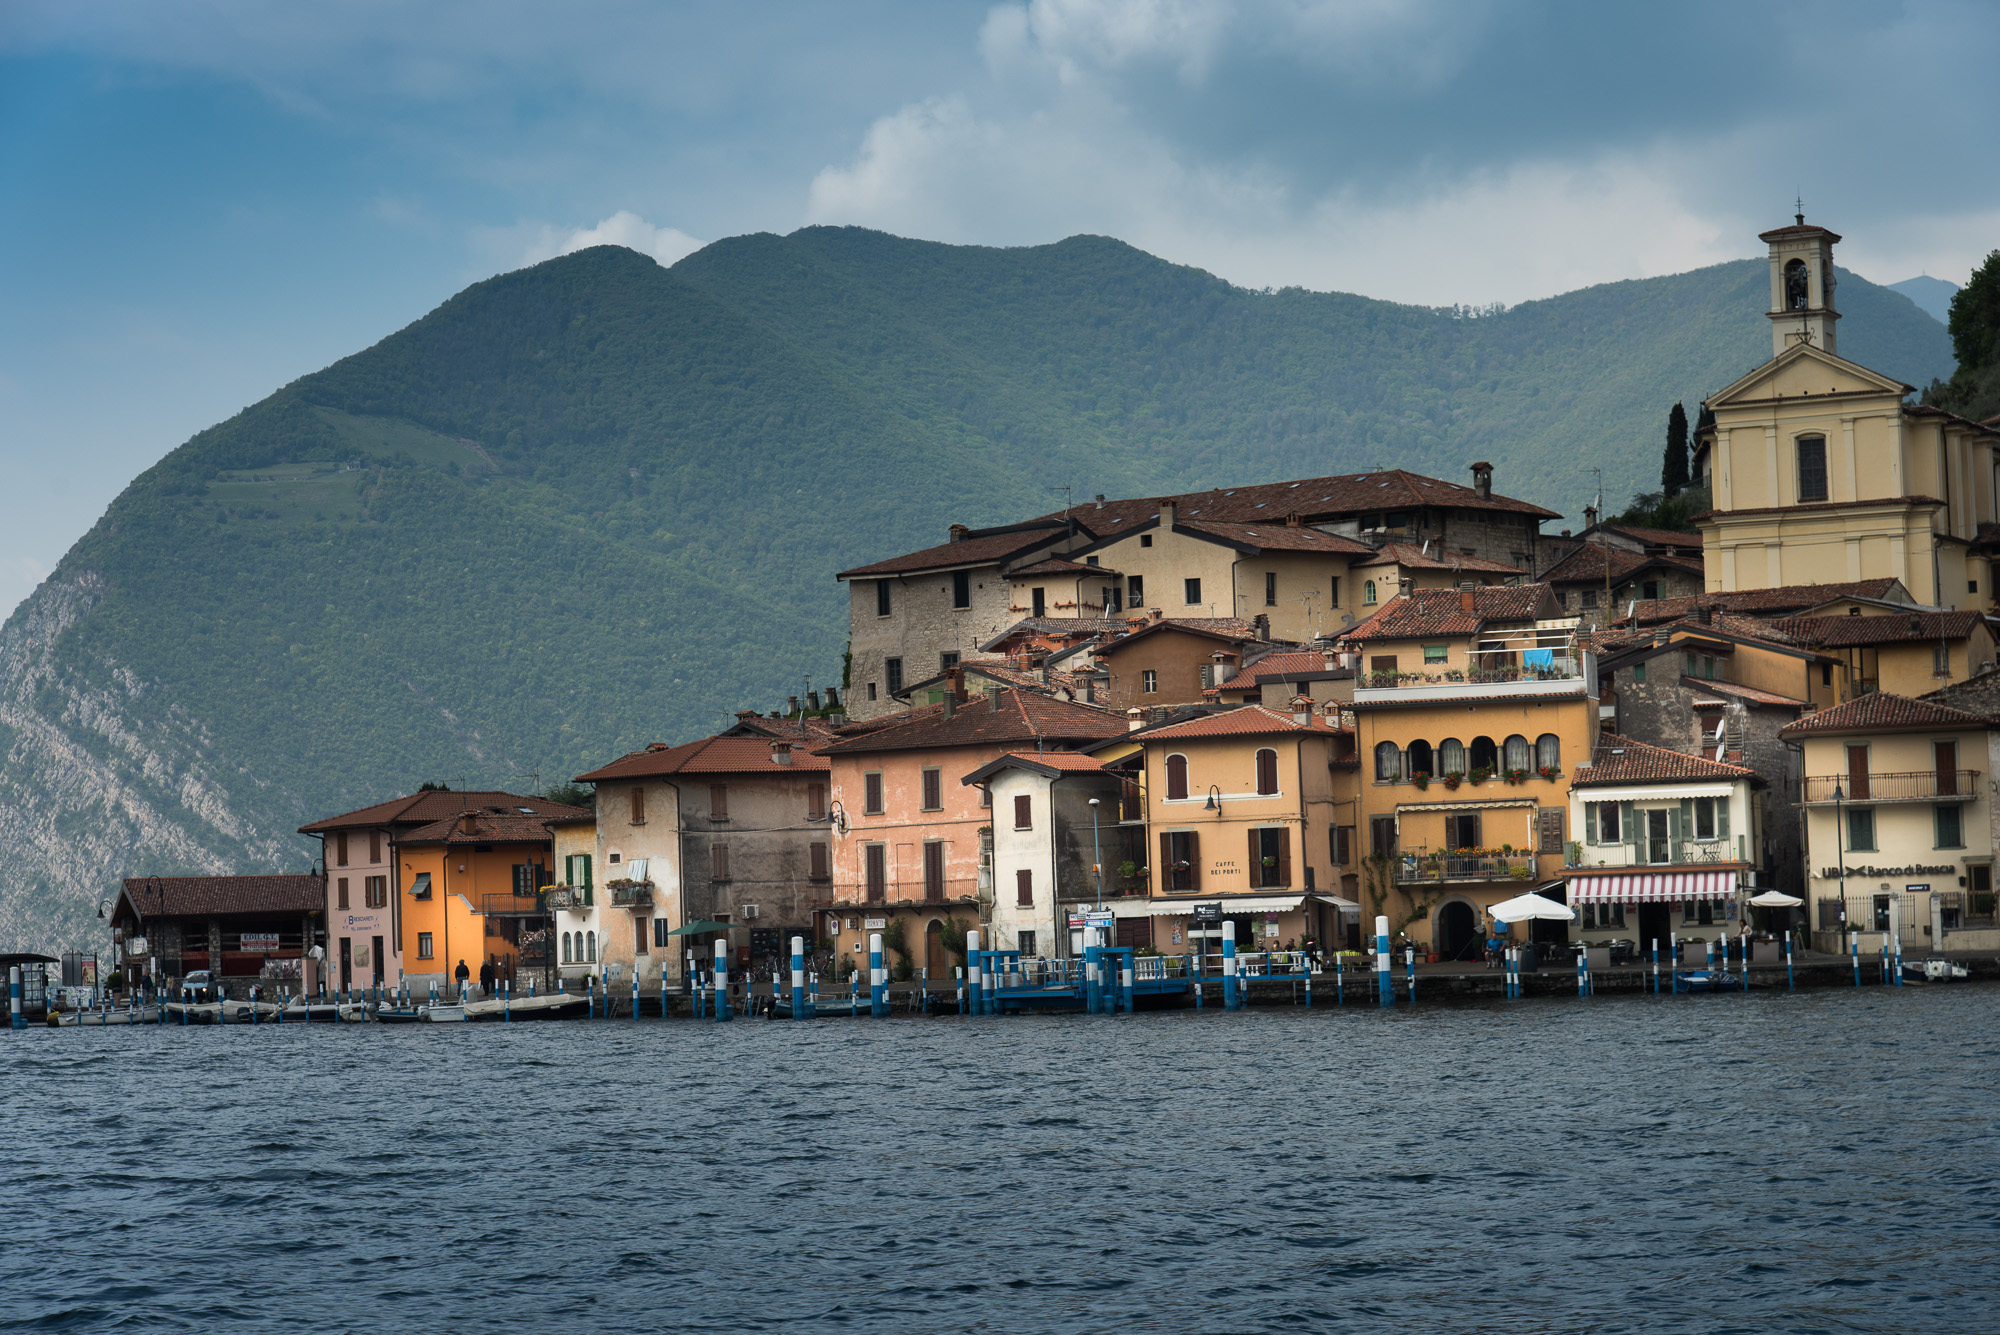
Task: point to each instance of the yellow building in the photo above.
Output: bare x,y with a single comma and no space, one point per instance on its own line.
1471,708
1899,650
1899,824
470,881
1818,470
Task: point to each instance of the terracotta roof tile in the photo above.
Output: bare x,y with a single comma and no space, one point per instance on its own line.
974,549
1617,760
1045,762
1586,565
1411,555
195,896
1277,536
1061,566
1891,628
1434,612
709,755
1749,694
434,804
1658,537
1244,721
1882,712
487,828
1780,599
1007,716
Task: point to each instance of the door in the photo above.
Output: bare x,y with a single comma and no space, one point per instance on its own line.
1857,774
346,963
1656,923
1457,937
934,872
1946,754
375,957
1548,931
1658,847
936,959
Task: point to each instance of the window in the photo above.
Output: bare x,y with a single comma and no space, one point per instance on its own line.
376,891
1181,854
875,871
1135,594
590,947
1603,915
638,804
576,870
1340,844
424,945
1270,858
1548,752
1797,286
892,672
947,661
1484,755
1462,831
934,871
961,588
1024,813
1638,672
1388,762
1435,655
1368,593
933,790
1149,682
340,848
1191,592
1417,759
1650,590
1382,665
821,864
718,862
1607,822
1517,753
374,845
1270,588
1267,772
871,794
882,604
1950,826
871,690
1826,674
1382,836
565,948
1812,468
718,801
342,886
1861,829
1333,592
1025,943
1451,756
1145,539
815,801
1177,778
640,943
1659,848
662,936
1589,598
1704,818
1037,602
1941,661
1024,889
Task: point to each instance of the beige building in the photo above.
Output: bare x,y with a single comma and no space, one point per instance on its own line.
1818,469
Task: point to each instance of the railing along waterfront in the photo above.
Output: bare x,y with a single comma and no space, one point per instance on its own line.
1907,786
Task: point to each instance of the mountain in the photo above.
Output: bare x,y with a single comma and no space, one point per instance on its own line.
597,503
1932,295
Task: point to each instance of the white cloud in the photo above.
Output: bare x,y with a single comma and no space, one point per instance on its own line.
623,228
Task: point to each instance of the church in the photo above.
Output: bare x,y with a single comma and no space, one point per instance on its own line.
1820,472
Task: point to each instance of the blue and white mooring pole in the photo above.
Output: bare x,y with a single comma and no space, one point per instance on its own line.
1656,966
1410,971
973,998
1385,983
878,981
722,980
1791,983
798,978
1854,948
1232,991
15,1018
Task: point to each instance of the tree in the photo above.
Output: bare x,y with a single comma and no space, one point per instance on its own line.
1975,317
1674,470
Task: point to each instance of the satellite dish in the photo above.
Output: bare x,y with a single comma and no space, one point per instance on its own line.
1720,724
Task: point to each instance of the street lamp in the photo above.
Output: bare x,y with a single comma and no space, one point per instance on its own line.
1839,854
1214,802
1097,850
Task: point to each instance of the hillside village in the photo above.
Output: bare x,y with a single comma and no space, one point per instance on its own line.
1306,702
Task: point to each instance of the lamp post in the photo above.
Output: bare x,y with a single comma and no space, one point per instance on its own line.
1097,851
1839,853
1214,802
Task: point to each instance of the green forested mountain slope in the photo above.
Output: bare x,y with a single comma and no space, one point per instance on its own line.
597,503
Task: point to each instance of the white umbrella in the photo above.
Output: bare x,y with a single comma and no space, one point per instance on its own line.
1521,908
1776,899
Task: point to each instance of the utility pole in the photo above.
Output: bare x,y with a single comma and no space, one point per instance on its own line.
1604,544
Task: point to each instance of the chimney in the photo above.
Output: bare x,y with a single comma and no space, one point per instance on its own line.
1099,498
950,704
791,705
1468,600
781,753
958,532
468,824
812,701
1302,710
1155,613
1705,613
1262,621
745,715
1590,516
1482,480
832,699
1135,719
993,694
954,682
1167,516
1565,533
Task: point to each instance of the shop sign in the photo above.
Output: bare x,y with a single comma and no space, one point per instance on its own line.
874,924
260,940
1206,912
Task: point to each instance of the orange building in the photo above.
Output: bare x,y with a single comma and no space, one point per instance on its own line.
472,879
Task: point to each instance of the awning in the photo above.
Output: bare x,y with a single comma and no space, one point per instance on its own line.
1182,908
698,928
1468,804
1653,887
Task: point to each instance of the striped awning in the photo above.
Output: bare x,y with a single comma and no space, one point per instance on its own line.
1670,887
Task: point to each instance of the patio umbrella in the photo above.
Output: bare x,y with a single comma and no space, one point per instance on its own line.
1776,899
696,928
1522,908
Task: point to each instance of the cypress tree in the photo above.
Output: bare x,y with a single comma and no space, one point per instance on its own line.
1674,470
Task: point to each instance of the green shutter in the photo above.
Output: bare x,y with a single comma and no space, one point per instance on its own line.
1628,830
1722,819
586,873
1678,819
1688,827
1590,822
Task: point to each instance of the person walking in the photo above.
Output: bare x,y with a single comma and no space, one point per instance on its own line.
486,979
461,973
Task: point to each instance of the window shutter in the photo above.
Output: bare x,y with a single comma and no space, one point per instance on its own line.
1024,888
1687,819
1284,857
1024,812
1628,830
1163,874
1194,860
1590,830
718,862
586,875
718,801
1256,863
1722,819
1679,819
819,862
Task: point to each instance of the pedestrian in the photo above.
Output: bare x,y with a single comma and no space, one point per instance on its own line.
486,978
461,973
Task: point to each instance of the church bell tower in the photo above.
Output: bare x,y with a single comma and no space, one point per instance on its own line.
1802,286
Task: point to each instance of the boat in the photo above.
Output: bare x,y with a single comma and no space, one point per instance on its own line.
441,1014
547,1006
1935,971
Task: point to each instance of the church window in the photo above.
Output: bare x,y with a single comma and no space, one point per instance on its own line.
1797,289
1812,468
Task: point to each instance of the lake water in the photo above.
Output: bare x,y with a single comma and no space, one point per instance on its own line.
1778,1162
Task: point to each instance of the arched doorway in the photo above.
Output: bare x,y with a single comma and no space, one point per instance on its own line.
1457,932
936,958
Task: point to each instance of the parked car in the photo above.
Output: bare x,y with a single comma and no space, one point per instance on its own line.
201,984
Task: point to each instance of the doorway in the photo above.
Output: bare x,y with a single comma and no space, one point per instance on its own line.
1656,923
375,959
346,963
1457,932
936,959
1551,931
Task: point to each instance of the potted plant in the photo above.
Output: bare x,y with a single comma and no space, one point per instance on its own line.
1548,771
1270,862
1421,779
1451,781
1480,774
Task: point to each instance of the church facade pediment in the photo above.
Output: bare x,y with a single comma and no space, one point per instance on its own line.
1803,371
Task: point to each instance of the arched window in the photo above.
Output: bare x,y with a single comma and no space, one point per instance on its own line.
1368,592
1485,755
565,948
1798,287
1421,761
1516,756
590,947
1388,763
1267,772
1548,751
1176,777
1812,468
1451,756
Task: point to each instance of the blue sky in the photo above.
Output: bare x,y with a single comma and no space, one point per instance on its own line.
200,201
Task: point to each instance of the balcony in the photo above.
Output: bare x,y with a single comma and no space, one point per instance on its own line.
1423,866
630,894
1666,854
564,897
517,906
1496,673
1960,785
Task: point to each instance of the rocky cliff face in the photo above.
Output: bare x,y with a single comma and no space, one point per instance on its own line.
102,777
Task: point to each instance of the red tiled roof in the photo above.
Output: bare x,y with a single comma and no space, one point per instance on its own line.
709,755
1619,761
1061,566
1006,716
1882,712
1749,694
1244,721
973,549
1658,537
1280,667
435,804
1276,536
1215,628
488,828
1586,564
1779,599
1433,612
1048,763
1798,229
1411,555
1890,628
197,896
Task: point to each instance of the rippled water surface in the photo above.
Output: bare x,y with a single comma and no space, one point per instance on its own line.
1810,1162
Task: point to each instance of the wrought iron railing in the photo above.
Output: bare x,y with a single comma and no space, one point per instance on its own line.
631,894
1911,786
1417,866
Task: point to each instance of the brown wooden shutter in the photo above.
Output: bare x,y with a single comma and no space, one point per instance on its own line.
816,801
1163,872
933,871
638,805
871,799
718,862
343,893
1256,863
718,801
1177,777
1024,888
374,845
1267,772
820,871
1947,768
1024,813
876,861
1194,860
1857,773
1284,857
340,849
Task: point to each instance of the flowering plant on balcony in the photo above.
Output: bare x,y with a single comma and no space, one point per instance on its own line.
1548,771
1480,774
1451,781
1516,775
1421,779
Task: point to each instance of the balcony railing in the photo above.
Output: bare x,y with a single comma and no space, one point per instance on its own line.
1951,785
564,897
526,906
1662,854
631,894
1421,865
1488,673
